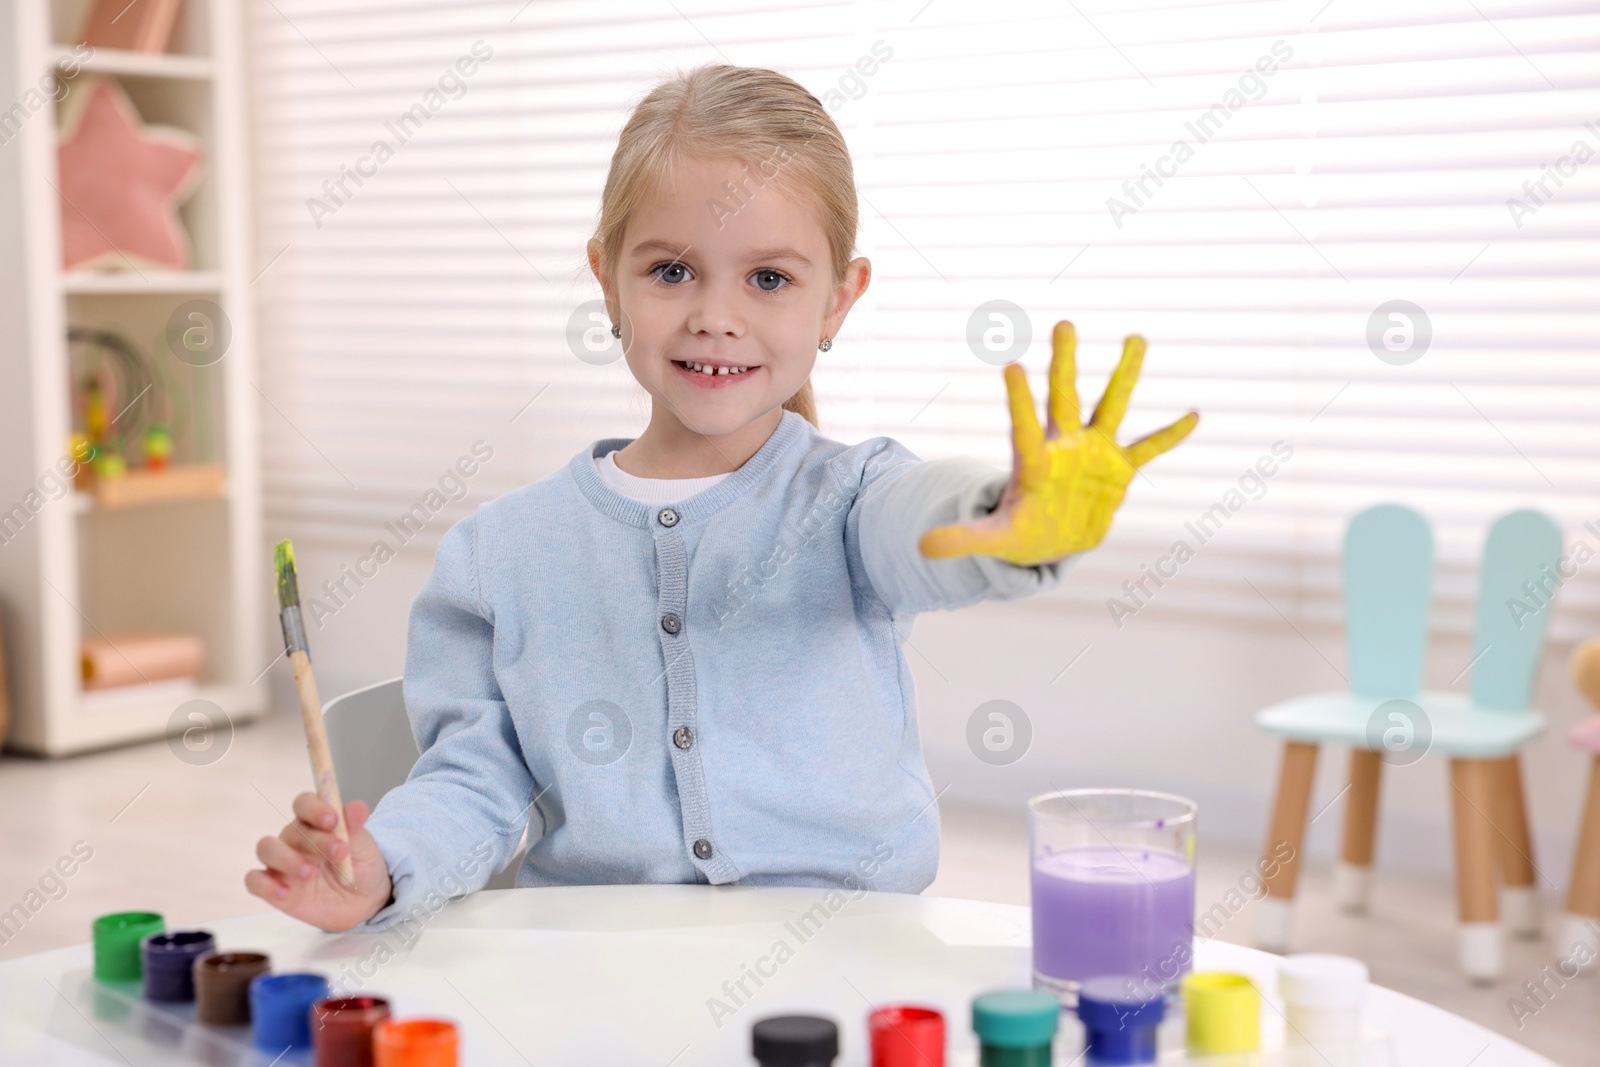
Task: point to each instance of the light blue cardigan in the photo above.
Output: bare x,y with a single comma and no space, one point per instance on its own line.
712,691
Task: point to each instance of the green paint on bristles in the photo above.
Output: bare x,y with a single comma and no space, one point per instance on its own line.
288,586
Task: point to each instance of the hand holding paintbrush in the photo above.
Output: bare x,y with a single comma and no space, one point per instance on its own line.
305,683
324,868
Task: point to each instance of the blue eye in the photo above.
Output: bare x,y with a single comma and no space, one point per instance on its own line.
661,267
775,275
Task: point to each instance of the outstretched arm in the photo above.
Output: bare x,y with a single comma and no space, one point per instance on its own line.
898,499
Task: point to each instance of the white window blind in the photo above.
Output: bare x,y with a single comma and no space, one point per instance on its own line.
1316,162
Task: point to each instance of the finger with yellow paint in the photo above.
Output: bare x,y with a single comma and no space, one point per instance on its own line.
1068,479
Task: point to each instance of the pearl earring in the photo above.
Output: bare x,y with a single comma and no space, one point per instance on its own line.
827,343
616,329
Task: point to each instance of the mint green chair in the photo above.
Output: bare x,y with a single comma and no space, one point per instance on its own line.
1387,717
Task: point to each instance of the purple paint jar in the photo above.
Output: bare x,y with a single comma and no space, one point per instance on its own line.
169,963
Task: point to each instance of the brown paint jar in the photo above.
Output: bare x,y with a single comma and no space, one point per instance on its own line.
222,986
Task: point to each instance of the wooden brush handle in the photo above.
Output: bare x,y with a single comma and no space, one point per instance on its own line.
305,682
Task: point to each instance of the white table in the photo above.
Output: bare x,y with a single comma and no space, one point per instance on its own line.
598,975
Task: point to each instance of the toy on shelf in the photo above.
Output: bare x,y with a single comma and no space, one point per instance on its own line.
130,414
117,395
121,184
157,446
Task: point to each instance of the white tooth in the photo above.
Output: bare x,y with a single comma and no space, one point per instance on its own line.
706,368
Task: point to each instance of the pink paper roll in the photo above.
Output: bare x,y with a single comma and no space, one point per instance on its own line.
135,656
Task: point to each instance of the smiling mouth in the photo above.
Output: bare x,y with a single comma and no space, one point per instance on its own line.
708,370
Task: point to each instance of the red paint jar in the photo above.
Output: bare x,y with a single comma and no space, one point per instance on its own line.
903,1035
341,1030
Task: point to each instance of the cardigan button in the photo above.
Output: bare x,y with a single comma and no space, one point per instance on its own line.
702,849
682,737
671,623
667,517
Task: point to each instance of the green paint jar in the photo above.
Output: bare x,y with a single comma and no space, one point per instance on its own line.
116,940
1015,1027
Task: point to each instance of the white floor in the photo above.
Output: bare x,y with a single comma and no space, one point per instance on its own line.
177,838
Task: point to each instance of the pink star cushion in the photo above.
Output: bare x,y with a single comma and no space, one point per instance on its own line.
121,183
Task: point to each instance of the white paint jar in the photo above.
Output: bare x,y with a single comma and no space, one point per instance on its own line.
1323,996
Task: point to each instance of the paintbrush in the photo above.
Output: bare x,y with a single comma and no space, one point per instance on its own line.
305,682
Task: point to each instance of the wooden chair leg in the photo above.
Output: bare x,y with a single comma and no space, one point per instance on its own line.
1473,789
1583,893
1353,876
1281,868
1519,897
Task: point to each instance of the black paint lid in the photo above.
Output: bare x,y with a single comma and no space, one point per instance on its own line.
794,1041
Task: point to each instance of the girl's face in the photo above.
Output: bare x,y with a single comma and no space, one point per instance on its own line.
720,269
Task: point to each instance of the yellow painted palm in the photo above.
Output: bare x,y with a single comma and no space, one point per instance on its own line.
1066,482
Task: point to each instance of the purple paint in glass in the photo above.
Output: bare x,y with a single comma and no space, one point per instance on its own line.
1099,911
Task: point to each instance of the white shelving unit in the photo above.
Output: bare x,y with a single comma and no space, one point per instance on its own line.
72,567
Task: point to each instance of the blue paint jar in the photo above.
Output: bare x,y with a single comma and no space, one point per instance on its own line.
1120,1016
280,1009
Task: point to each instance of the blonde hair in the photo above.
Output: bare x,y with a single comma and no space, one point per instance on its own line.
748,114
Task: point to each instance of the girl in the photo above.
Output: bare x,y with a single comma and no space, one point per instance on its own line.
678,658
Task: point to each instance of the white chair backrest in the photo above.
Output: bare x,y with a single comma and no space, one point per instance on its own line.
370,735
374,750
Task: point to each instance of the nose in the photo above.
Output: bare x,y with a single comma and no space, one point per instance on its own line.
717,312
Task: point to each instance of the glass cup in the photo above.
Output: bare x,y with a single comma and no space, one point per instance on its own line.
1112,876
